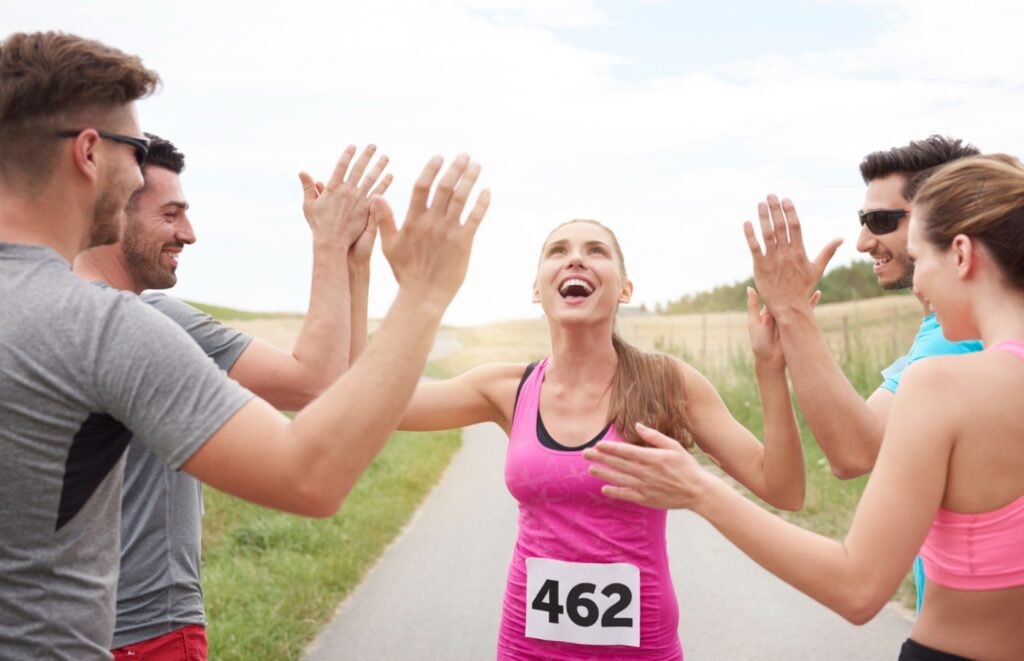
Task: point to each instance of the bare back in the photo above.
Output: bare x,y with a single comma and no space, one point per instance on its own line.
985,473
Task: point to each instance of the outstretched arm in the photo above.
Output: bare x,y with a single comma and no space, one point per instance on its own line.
855,577
483,394
848,429
308,466
337,218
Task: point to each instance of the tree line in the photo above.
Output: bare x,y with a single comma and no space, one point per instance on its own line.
853,281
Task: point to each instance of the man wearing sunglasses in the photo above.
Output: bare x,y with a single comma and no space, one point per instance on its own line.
160,601
83,365
848,428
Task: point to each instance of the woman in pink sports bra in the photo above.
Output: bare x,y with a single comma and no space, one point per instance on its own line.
589,576
949,480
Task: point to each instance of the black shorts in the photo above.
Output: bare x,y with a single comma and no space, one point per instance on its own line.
914,651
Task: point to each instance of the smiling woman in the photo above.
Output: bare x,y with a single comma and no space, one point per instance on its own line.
589,576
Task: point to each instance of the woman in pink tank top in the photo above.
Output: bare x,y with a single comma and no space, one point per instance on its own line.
589,576
949,479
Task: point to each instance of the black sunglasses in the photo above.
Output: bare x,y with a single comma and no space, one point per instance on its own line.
882,221
140,145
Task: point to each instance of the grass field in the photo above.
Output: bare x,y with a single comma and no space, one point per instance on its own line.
272,580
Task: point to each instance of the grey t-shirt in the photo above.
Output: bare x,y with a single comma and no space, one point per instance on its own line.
77,362
161,525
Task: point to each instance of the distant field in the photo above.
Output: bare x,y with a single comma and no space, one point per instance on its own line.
882,326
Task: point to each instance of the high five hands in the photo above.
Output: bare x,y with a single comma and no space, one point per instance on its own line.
338,212
430,253
784,276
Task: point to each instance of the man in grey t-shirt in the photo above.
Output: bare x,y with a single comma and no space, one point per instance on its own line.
159,596
83,365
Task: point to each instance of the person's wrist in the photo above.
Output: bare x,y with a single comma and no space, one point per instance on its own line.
420,305
769,365
358,266
788,312
708,494
331,244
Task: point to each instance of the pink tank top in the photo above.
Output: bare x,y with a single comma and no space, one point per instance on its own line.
589,577
983,551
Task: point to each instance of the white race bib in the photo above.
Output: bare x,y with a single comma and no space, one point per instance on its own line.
583,602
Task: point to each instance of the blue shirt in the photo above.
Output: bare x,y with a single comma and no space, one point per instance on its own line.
929,341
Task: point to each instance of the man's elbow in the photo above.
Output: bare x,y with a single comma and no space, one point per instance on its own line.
319,502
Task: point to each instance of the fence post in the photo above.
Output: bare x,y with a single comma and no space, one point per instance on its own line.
704,339
846,340
895,339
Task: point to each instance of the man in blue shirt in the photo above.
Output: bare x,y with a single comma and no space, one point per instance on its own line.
848,428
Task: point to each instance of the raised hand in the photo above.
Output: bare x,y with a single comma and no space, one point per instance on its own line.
338,212
663,475
764,333
784,276
360,252
430,253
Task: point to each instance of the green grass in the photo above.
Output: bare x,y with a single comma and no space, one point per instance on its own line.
272,580
221,313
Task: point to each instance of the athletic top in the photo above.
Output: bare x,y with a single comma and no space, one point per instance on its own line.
77,362
983,551
161,511
589,575
929,341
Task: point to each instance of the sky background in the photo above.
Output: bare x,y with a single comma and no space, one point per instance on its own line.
666,120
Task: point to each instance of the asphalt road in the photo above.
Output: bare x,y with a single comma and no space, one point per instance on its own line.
436,592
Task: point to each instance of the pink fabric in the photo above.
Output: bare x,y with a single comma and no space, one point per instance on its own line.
1011,346
564,516
983,551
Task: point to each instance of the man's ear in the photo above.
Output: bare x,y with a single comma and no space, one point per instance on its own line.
536,292
84,153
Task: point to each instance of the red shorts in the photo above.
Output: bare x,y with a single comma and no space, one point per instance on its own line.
185,644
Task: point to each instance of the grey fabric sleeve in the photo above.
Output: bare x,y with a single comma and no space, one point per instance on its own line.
159,383
222,343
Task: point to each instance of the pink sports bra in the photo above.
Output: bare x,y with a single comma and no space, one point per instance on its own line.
983,551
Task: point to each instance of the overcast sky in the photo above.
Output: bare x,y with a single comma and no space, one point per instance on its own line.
666,120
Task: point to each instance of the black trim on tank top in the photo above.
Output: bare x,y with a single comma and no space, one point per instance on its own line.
526,374
549,442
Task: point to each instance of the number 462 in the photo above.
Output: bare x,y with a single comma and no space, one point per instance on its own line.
581,610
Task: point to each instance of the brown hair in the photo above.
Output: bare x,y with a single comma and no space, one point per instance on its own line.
647,387
983,198
916,161
49,78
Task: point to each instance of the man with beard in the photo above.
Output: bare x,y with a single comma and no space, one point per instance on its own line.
83,365
160,611
848,428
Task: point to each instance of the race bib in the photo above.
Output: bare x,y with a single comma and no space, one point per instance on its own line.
583,602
